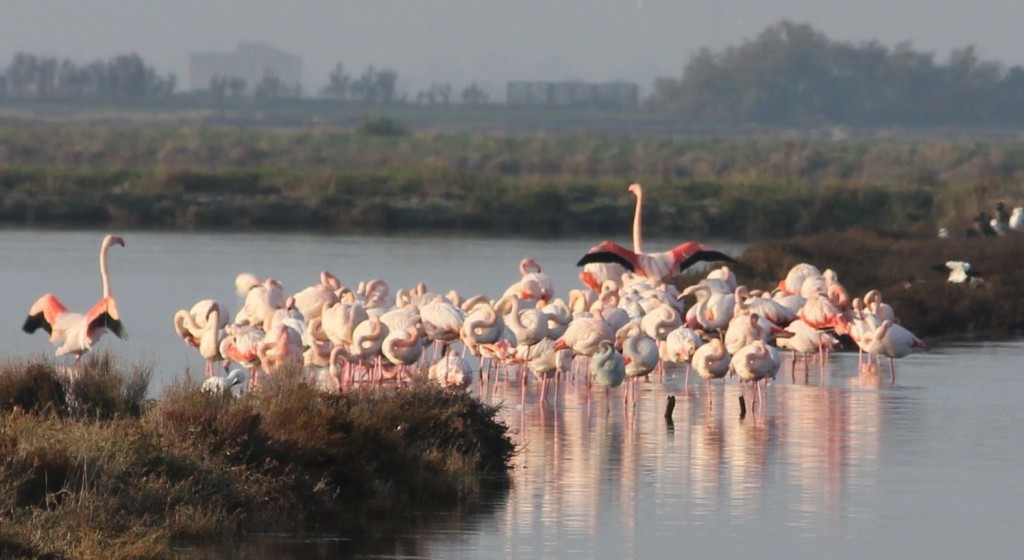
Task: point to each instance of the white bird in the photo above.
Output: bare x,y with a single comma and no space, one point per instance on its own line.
960,272
218,385
451,371
1017,219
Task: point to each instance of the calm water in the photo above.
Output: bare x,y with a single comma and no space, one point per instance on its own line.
834,465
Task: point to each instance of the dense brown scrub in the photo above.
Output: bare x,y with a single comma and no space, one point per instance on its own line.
902,269
87,472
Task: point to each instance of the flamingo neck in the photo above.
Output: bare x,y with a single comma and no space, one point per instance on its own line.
638,241
104,275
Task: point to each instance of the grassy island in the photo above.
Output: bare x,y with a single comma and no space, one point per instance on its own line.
91,469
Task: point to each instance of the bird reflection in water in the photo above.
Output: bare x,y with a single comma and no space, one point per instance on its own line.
608,470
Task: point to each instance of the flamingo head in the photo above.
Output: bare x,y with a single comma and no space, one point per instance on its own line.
636,189
590,281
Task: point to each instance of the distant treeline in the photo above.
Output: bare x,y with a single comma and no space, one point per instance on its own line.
29,76
789,75
156,176
792,74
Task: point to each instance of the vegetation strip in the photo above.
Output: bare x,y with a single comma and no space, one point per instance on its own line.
91,469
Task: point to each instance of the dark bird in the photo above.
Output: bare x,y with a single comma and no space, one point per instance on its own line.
985,225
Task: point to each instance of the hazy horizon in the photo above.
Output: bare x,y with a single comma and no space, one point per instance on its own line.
489,41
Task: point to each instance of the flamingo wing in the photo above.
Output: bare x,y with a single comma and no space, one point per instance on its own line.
609,252
43,314
690,253
104,315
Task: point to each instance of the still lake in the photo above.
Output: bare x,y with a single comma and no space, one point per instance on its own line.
838,464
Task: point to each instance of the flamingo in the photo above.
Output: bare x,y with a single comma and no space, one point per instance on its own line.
339,320
584,336
679,346
547,362
835,291
893,341
607,367
534,284
714,308
873,304
482,326
450,371
190,324
240,345
654,266
75,333
280,345
756,362
311,300
807,340
559,317
820,313
367,340
794,280
210,339
261,300
711,361
754,301
402,348
442,321
638,240
639,353
744,329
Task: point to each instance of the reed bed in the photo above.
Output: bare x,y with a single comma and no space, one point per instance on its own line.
90,469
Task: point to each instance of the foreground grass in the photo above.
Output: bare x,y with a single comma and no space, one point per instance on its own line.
103,474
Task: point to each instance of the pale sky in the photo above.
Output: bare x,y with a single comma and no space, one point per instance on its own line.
489,41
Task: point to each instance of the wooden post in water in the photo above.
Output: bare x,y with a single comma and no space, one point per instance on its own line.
743,407
669,407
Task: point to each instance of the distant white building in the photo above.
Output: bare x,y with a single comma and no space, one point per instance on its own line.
250,62
612,95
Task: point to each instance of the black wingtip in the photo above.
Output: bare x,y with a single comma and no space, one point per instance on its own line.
606,257
35,322
111,324
705,256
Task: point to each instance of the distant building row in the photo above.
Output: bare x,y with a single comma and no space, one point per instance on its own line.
612,95
251,62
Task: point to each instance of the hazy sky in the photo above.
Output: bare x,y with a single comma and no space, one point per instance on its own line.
490,41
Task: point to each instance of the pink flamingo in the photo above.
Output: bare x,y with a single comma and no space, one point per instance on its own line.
75,333
711,361
755,363
893,341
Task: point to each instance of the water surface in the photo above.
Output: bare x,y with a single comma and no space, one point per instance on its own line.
837,465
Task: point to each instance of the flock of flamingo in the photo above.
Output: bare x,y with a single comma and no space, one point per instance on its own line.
623,323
